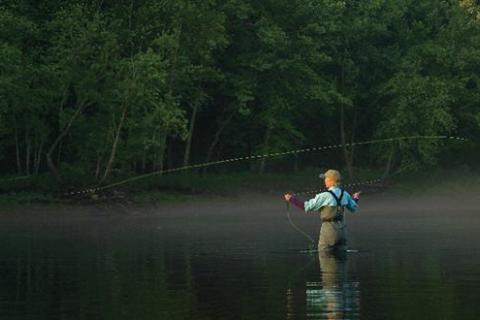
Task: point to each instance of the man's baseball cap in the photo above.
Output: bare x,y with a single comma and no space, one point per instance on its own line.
332,174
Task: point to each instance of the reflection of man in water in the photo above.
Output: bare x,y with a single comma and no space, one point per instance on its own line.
329,295
334,297
331,205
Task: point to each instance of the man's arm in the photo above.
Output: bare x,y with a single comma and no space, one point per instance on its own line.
316,203
352,204
309,205
297,203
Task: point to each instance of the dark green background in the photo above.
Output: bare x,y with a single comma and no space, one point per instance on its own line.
96,91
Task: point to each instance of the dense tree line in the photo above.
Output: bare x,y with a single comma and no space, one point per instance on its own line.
101,88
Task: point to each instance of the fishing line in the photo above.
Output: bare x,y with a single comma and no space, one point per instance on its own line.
257,157
306,235
346,186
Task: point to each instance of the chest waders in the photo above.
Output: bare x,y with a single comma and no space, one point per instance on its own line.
332,230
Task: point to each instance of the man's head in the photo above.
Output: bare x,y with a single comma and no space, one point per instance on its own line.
332,178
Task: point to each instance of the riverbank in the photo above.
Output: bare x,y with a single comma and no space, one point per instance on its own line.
199,188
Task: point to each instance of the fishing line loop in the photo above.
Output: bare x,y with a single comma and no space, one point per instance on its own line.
269,155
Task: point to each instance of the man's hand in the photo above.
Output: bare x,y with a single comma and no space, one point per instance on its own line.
287,196
356,195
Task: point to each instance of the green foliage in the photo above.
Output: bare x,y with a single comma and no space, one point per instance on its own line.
115,89
421,107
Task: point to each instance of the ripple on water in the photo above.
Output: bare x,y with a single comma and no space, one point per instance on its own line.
340,301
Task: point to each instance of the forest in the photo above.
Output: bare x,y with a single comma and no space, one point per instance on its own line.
96,91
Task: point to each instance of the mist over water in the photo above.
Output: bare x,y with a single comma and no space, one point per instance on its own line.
418,259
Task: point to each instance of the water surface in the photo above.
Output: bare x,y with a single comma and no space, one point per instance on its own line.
239,259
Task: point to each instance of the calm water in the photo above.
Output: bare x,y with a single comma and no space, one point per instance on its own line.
243,261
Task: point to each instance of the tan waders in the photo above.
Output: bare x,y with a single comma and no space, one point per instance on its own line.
332,231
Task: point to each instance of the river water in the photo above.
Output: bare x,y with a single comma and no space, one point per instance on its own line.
411,258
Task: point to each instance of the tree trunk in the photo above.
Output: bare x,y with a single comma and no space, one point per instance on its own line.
388,166
63,133
263,162
28,146
252,165
343,134
352,138
17,151
216,139
98,167
39,157
27,158
188,146
115,144
144,161
161,153
35,153
346,153
59,152
155,151
170,153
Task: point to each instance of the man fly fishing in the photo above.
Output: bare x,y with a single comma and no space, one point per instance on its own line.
331,205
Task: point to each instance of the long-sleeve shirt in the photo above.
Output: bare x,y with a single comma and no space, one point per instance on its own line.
326,199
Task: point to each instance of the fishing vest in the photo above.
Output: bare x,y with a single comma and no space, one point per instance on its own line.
333,213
